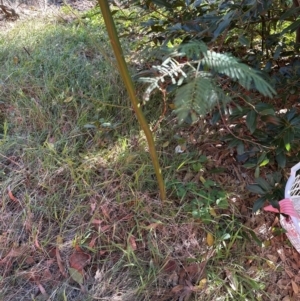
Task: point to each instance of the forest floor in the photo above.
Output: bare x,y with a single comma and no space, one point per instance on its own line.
80,215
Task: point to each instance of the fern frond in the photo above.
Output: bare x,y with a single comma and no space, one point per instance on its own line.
198,96
193,50
169,69
230,66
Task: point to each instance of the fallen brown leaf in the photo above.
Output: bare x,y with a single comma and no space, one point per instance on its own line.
93,204
196,271
36,242
46,275
186,293
78,248
104,228
295,287
29,275
170,266
177,289
52,252
132,242
289,273
30,260
97,221
105,211
11,196
15,252
153,226
273,258
93,241
126,218
78,260
41,288
49,262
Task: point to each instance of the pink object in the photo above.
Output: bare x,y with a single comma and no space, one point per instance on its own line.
290,206
286,207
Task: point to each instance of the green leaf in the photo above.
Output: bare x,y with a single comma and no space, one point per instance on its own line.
193,50
264,162
234,142
224,23
251,121
258,204
76,276
275,204
256,173
249,165
262,136
230,66
290,114
240,148
274,178
281,159
244,41
209,183
288,146
295,121
289,13
271,119
264,109
294,26
255,188
225,236
89,126
222,203
199,96
288,139
202,159
217,170
278,50
163,3
263,184
261,157
215,117
244,235
255,238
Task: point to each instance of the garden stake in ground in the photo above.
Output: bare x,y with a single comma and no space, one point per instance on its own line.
112,32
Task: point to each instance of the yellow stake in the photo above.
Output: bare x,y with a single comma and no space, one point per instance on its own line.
114,40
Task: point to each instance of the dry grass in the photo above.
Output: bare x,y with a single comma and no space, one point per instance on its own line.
78,189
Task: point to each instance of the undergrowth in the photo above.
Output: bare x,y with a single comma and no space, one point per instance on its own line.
80,217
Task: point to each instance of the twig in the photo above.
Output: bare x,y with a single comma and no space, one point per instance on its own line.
163,112
234,135
27,51
11,160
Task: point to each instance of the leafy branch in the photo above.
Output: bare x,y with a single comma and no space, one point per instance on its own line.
192,72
